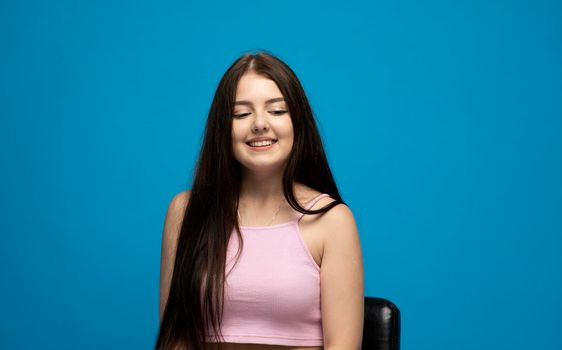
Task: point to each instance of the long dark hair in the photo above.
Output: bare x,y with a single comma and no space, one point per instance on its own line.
195,300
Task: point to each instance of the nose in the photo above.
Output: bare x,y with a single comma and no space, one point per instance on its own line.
260,123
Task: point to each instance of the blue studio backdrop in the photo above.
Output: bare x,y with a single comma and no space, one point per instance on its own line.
442,122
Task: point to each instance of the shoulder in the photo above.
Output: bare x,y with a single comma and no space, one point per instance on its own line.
340,216
181,198
304,194
340,212
337,232
337,217
179,202
174,214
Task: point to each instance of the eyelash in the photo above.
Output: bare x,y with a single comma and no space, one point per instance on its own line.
276,112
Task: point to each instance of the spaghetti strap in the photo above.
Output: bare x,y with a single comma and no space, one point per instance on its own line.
311,203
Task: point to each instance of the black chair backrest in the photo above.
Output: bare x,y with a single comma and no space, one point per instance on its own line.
381,330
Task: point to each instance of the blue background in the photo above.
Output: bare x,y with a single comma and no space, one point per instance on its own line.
442,122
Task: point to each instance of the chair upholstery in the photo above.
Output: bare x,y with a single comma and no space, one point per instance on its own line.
381,329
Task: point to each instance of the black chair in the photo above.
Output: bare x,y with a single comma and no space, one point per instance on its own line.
381,329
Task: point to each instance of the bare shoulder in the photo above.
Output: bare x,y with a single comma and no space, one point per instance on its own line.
337,217
334,230
340,216
174,215
304,193
180,199
339,213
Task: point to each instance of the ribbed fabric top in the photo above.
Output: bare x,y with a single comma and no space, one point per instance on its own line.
272,295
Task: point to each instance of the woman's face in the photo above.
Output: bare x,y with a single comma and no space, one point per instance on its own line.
262,129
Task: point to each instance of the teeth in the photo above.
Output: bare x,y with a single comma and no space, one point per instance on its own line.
261,143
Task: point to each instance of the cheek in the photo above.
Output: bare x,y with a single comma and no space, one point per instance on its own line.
235,143
289,136
236,132
289,131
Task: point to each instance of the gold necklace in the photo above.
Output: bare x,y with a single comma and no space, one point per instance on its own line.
274,215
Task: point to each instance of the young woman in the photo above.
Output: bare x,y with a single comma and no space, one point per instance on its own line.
262,252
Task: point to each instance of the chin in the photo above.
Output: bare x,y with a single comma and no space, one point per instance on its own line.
262,166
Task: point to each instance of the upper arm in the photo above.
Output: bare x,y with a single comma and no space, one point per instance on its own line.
170,234
342,281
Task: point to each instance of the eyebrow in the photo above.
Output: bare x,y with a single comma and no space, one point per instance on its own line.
248,103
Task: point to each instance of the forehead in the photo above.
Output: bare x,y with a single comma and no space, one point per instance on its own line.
256,88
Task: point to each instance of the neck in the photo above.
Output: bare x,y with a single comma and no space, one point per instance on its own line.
261,188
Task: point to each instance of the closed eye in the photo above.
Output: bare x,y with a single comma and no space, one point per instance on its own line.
277,112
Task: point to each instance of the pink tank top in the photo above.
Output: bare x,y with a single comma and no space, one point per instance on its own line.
272,295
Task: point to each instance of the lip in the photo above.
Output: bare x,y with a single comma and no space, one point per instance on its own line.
262,138
261,148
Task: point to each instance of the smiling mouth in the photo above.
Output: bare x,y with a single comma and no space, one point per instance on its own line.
264,143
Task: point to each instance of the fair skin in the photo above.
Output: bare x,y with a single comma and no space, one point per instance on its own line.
260,112
332,237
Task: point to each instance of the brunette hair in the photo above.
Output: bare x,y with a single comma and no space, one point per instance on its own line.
195,300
